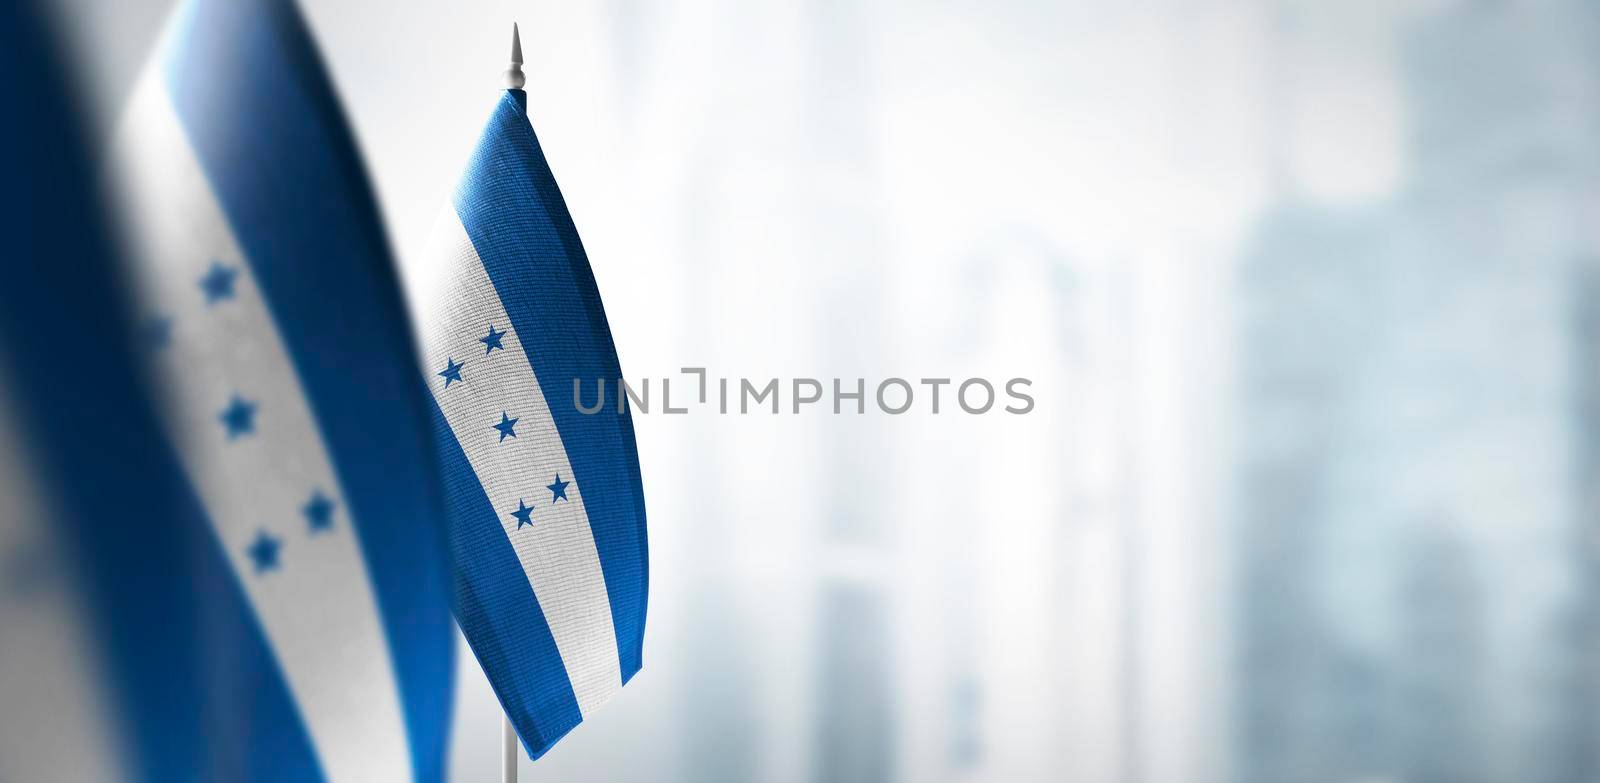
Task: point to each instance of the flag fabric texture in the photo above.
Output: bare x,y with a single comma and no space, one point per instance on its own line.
292,621
545,506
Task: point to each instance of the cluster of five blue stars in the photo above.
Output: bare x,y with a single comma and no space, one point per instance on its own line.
507,427
238,420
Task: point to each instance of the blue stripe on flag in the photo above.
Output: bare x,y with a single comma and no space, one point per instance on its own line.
198,694
511,640
542,276
254,100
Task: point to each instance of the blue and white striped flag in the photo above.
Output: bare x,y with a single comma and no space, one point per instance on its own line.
282,354
546,509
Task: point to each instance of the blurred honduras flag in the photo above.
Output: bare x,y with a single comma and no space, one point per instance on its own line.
307,633
545,507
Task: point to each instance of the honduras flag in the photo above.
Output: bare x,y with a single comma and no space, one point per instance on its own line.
545,507
306,631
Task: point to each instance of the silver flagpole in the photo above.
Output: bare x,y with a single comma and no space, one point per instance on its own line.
508,733
508,751
514,77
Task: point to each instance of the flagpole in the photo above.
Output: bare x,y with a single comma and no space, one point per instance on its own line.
508,750
508,733
514,77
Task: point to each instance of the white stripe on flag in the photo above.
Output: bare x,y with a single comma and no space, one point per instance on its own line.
557,550
316,607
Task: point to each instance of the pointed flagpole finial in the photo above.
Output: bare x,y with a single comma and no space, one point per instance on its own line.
514,77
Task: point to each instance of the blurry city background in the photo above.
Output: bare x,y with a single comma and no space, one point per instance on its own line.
1310,294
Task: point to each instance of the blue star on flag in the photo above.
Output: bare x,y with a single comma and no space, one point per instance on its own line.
524,514
264,552
218,283
492,341
558,490
451,372
239,417
319,512
506,426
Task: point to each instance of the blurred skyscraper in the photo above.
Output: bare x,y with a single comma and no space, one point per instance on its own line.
1577,682
854,715
1413,454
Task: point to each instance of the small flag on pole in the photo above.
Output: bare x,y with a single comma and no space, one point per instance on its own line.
545,506
307,635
